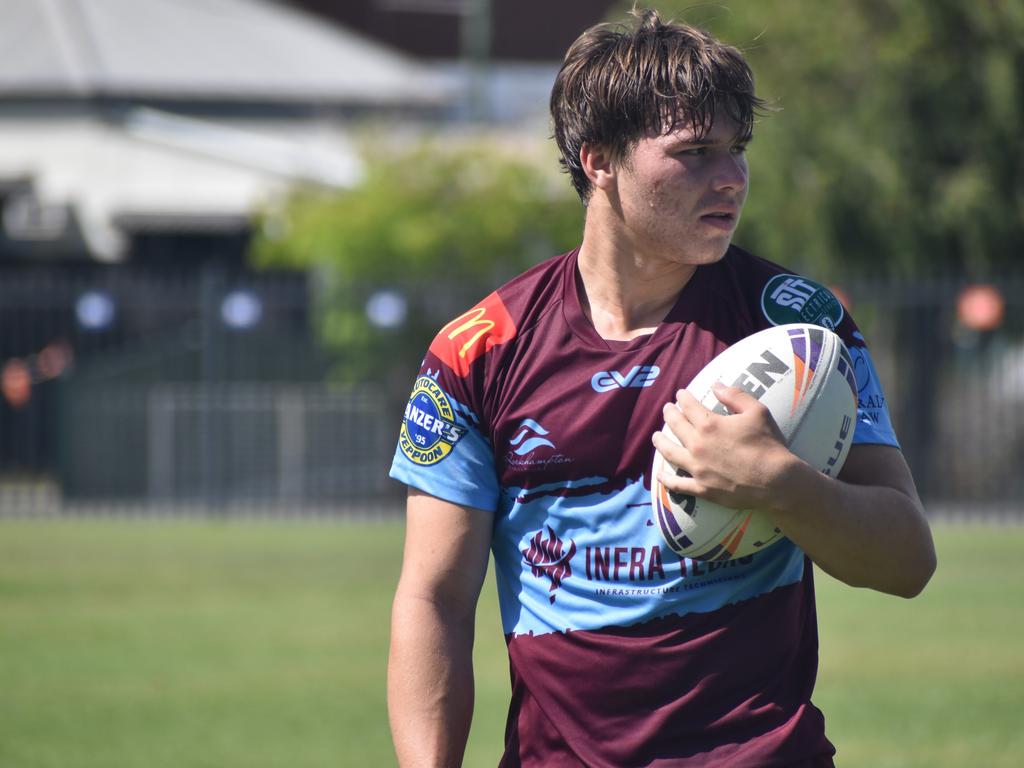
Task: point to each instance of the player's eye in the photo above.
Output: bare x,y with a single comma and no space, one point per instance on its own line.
739,149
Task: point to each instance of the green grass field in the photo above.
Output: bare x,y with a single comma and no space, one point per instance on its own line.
150,644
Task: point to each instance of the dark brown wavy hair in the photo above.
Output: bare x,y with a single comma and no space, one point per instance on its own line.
622,82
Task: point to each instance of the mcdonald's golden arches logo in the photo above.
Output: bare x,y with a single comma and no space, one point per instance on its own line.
473,333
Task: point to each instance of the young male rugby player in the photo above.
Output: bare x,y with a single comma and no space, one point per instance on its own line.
529,434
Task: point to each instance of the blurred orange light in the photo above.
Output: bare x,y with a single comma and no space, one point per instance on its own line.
980,307
16,383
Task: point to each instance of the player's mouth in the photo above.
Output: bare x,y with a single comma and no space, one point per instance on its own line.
721,219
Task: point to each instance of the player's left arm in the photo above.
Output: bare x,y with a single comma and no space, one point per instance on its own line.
867,528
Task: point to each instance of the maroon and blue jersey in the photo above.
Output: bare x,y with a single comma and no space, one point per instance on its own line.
622,653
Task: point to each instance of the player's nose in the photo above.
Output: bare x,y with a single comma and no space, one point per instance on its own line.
730,173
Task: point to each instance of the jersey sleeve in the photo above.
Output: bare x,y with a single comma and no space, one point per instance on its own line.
873,422
443,446
441,449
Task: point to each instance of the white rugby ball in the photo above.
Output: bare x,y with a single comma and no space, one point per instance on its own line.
804,375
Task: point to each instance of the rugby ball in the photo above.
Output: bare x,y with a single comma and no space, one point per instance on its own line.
804,375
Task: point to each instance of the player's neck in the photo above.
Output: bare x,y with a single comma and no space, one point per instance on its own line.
626,293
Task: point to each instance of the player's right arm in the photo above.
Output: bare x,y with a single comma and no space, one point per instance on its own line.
430,666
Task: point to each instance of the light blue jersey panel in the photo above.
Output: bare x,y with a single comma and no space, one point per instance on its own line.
873,422
589,561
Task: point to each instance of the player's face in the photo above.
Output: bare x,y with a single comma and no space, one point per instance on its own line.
681,196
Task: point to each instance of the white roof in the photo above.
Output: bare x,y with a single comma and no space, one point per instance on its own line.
198,49
157,165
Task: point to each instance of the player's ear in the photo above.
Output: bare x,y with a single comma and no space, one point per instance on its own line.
598,164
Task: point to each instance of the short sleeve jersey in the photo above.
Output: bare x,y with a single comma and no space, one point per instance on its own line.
622,653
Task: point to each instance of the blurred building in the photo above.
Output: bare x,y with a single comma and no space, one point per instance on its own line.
127,119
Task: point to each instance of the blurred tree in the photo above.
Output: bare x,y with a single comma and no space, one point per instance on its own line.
428,232
894,145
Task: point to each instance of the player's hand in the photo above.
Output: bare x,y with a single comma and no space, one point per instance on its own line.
739,460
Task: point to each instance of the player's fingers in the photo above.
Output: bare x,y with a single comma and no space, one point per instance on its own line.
735,399
691,409
679,481
739,401
676,455
681,427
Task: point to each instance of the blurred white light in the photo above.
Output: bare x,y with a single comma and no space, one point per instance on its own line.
387,309
95,310
241,310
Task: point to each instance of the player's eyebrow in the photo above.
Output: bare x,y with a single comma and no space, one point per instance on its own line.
707,141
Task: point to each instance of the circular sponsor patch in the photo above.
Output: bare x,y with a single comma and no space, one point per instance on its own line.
794,299
429,431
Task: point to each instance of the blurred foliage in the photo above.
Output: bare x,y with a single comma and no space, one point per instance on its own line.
441,224
893,146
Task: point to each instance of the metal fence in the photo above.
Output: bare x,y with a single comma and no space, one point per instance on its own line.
955,394
208,392
229,444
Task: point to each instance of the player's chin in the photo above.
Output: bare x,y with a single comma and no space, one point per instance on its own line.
698,249
713,250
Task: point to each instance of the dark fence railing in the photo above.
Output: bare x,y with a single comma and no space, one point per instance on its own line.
955,392
209,391
225,444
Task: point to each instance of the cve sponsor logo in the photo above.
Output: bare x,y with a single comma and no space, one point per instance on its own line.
639,376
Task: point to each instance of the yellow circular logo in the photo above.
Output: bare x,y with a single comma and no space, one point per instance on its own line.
429,431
